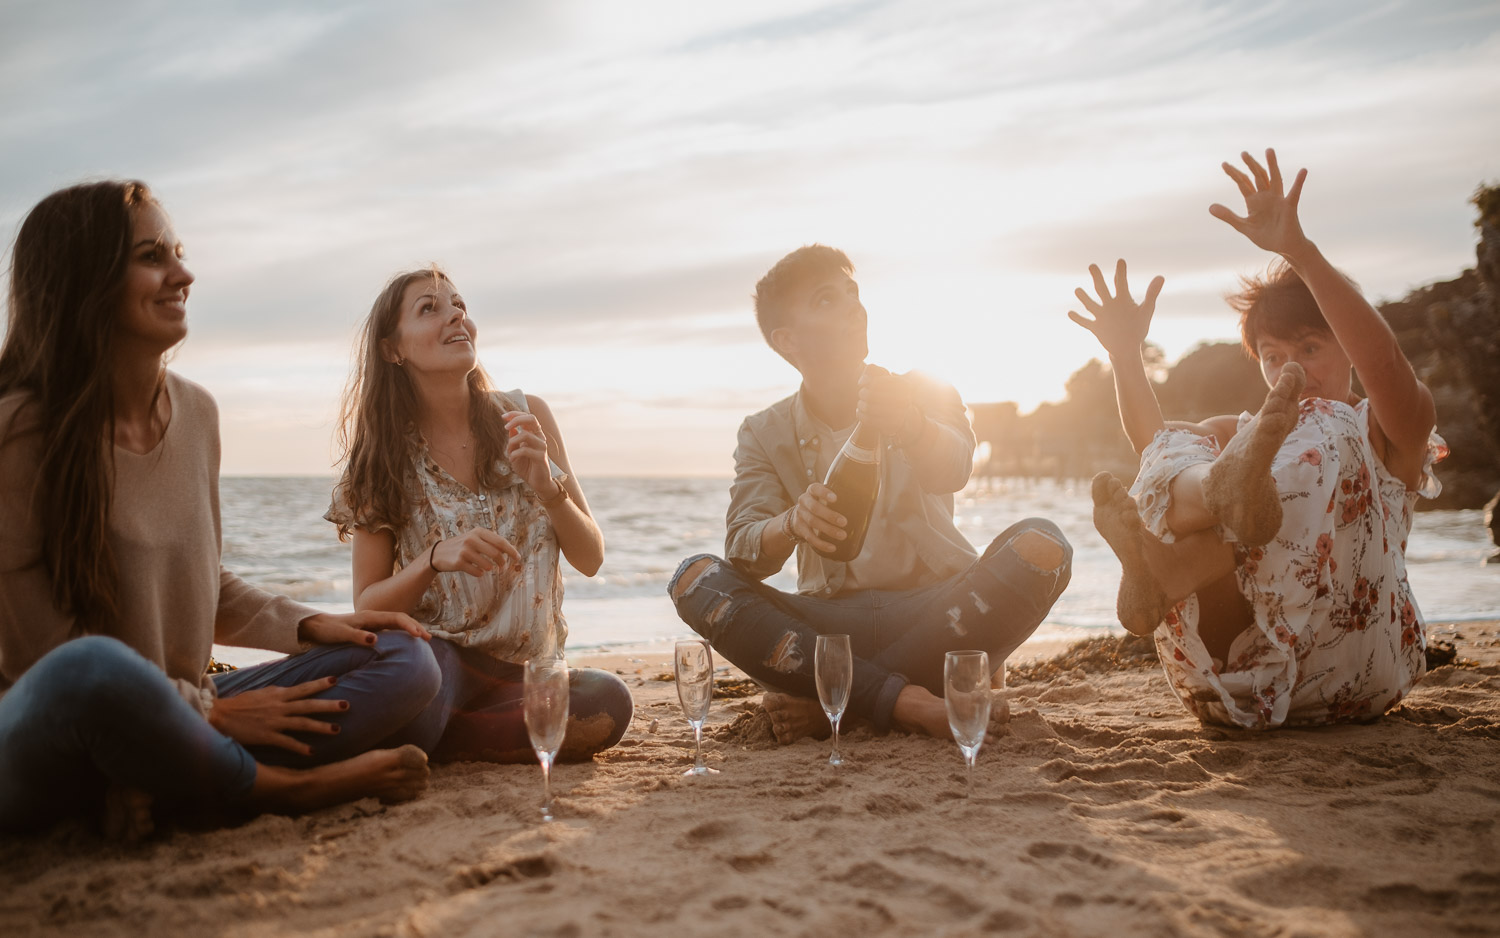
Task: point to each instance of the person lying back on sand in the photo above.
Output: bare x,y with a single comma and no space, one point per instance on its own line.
1267,553
917,590
111,591
459,498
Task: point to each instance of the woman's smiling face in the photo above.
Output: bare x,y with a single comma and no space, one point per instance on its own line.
434,333
153,299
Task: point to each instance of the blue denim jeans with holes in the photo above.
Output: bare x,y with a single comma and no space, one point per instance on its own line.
897,636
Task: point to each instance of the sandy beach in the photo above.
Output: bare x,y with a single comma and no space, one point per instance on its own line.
1104,809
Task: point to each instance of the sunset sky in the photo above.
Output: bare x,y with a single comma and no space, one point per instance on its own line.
606,181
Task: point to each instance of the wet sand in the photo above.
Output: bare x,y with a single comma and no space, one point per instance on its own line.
1104,809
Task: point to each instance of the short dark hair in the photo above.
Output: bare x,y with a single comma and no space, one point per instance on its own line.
1276,305
774,292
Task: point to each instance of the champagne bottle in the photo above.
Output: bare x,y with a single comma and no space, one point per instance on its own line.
855,478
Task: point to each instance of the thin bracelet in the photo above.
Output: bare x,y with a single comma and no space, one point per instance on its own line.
786,527
430,555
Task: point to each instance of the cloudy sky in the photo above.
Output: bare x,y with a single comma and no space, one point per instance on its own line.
606,181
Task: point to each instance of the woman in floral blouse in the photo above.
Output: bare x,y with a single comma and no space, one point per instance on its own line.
459,498
1267,553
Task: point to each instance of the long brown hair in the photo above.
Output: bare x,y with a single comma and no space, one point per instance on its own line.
379,413
66,282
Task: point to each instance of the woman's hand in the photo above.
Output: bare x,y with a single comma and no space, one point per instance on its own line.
264,716
355,628
476,553
1120,324
526,448
1270,220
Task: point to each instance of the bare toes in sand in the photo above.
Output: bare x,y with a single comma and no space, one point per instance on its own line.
1239,490
127,815
403,776
1141,602
793,718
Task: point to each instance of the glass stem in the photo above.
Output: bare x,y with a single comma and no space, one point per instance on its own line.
698,745
547,787
836,735
969,787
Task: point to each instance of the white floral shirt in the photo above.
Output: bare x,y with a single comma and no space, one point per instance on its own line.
1337,636
510,616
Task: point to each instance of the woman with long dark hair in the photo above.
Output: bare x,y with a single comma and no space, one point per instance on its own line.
459,499
111,589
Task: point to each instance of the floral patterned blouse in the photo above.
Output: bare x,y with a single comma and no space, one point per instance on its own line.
1337,635
510,616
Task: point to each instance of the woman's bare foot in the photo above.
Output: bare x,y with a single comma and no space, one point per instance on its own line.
1239,490
392,775
127,814
1142,601
793,718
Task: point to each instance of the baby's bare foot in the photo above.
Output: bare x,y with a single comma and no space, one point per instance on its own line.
1142,602
1239,490
792,718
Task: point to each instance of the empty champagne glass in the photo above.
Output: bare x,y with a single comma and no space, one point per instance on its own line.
966,691
546,702
833,666
694,664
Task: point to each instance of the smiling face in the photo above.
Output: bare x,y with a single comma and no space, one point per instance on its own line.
153,302
1329,374
826,327
434,334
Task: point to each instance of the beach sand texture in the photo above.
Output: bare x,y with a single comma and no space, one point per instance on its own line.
1104,809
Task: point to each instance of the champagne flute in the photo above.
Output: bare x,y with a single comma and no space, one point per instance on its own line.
966,692
694,664
834,668
546,704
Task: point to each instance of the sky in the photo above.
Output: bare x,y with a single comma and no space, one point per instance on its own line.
606,181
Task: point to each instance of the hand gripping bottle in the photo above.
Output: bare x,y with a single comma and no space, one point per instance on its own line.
855,479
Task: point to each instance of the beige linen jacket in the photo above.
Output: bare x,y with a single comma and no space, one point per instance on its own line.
775,462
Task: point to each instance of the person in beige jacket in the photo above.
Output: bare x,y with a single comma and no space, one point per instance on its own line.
111,588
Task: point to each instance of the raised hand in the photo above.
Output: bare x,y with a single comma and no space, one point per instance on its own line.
1270,220
526,448
1120,323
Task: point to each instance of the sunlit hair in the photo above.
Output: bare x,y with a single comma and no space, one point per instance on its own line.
777,289
1276,305
67,282
377,420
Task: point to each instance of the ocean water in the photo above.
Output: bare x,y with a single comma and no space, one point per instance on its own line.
275,537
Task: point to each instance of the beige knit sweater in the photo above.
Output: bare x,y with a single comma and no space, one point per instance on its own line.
175,598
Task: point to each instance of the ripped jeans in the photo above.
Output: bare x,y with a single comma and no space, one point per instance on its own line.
897,636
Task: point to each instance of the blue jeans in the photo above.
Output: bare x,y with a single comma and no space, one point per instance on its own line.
897,636
386,686
93,712
479,711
